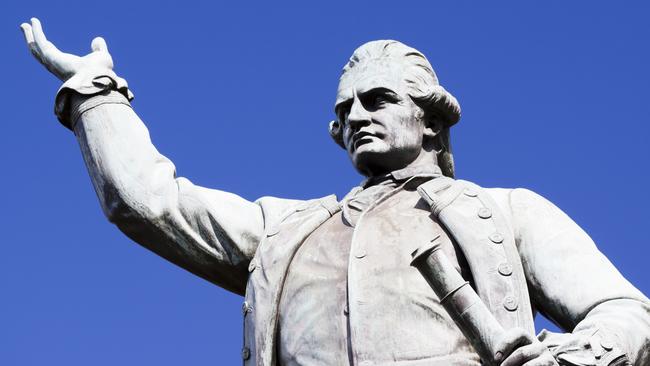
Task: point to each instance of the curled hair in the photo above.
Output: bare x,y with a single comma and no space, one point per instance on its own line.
439,106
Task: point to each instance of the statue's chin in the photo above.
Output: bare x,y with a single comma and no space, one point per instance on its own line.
374,163
379,159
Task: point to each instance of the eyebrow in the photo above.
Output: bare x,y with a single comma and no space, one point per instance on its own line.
377,90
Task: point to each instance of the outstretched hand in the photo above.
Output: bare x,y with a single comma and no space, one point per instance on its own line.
63,65
518,348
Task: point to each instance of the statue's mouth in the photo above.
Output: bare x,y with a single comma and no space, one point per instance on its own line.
361,138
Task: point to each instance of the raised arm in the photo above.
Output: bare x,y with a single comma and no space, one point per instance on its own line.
211,233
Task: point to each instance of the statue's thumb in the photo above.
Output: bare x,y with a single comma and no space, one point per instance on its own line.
99,45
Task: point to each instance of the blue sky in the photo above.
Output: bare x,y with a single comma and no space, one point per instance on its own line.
554,98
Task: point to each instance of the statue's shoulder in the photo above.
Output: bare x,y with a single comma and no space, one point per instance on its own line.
525,208
275,206
275,209
442,191
512,200
518,200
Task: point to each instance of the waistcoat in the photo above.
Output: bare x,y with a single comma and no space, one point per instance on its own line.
471,217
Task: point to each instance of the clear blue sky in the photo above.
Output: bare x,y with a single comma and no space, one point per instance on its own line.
554,97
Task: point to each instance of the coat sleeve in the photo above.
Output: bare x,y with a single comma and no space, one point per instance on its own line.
573,284
210,233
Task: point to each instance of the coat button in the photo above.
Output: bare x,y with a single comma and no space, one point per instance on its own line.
252,265
245,353
496,238
484,213
246,308
360,254
470,192
505,269
607,345
510,303
302,207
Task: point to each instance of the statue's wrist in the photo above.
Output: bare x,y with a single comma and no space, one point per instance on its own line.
87,83
593,347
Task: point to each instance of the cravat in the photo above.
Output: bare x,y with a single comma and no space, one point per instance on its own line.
354,206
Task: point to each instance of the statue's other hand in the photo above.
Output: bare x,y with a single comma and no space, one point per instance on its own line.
518,348
63,65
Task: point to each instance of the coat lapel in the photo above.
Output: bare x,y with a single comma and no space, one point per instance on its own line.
268,271
484,235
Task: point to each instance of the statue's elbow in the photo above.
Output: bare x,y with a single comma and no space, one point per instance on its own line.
126,209
119,213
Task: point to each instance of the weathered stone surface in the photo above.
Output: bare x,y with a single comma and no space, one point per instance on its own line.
330,282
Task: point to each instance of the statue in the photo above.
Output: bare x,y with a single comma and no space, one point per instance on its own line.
331,282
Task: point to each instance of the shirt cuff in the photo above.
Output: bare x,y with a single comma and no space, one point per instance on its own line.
88,82
593,348
80,104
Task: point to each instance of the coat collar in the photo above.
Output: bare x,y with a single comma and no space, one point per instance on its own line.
401,175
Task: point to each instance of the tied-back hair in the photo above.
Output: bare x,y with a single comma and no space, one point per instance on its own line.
439,106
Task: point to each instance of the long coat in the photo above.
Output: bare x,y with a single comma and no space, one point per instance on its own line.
507,237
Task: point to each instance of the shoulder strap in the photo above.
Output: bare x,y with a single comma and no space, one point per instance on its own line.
483,233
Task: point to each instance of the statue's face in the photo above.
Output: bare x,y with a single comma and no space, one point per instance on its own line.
382,127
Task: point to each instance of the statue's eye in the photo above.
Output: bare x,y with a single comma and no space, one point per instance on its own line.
377,100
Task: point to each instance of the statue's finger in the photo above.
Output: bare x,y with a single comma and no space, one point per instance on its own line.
29,38
27,32
39,36
99,45
521,356
47,49
58,63
511,340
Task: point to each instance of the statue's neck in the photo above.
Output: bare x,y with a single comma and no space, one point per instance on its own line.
419,167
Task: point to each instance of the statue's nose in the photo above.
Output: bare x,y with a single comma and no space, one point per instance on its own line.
358,115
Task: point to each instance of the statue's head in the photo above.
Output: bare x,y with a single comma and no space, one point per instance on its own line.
390,109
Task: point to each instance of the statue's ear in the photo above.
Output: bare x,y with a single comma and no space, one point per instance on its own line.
336,133
431,130
432,125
